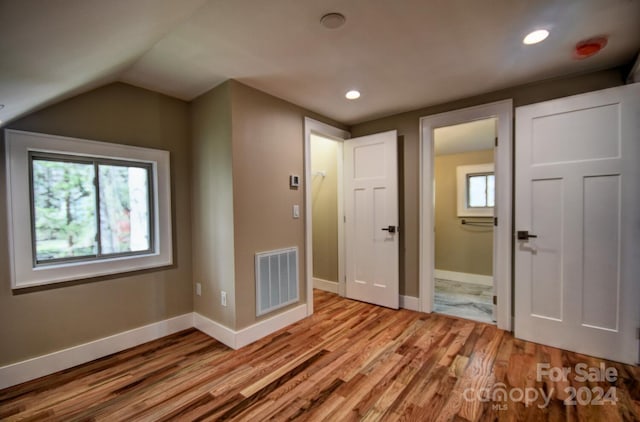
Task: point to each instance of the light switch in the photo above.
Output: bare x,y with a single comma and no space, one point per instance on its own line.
296,211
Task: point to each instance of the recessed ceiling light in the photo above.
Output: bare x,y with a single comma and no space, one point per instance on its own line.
536,37
333,20
352,95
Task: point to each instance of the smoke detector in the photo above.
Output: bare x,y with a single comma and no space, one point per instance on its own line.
589,47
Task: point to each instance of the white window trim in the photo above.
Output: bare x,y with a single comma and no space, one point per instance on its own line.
462,172
18,144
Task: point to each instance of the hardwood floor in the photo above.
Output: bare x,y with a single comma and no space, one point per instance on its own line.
349,361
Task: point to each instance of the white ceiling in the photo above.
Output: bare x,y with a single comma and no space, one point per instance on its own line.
401,54
477,135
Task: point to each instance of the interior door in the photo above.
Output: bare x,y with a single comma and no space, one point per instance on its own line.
371,219
578,220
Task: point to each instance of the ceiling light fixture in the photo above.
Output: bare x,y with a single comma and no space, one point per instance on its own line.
535,37
333,20
352,95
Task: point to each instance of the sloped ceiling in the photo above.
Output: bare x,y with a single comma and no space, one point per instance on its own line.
53,49
400,54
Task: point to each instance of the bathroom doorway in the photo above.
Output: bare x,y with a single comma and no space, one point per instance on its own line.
464,182
498,118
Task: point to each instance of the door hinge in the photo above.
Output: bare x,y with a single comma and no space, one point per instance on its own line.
496,141
495,300
495,221
638,333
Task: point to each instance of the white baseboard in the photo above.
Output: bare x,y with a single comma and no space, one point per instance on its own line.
40,366
410,302
485,280
245,336
265,327
326,285
26,370
214,329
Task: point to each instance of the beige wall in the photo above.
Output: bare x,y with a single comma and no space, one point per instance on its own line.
459,248
212,204
324,197
407,125
46,319
268,146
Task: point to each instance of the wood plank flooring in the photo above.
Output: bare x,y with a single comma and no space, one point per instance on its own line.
349,361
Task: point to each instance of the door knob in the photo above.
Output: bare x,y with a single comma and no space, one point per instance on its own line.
524,235
390,229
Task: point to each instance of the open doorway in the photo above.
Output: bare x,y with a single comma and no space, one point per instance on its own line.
367,235
501,112
326,141
464,181
326,207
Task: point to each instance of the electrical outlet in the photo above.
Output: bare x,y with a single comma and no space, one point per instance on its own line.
198,289
223,298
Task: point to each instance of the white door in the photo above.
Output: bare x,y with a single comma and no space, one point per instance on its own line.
577,189
371,214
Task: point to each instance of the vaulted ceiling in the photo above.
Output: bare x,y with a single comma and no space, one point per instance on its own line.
400,54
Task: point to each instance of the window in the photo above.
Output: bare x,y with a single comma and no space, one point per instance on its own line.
480,190
476,190
88,211
89,208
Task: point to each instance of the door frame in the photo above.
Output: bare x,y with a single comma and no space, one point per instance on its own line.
503,276
312,126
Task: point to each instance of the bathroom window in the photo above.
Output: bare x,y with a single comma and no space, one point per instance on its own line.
475,190
481,190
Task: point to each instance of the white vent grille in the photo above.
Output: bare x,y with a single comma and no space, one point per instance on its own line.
276,279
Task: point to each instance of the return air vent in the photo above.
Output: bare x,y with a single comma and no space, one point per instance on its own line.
276,279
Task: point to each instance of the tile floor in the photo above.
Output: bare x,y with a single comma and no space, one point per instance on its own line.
464,300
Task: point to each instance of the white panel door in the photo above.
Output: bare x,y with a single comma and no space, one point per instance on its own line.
371,213
577,284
